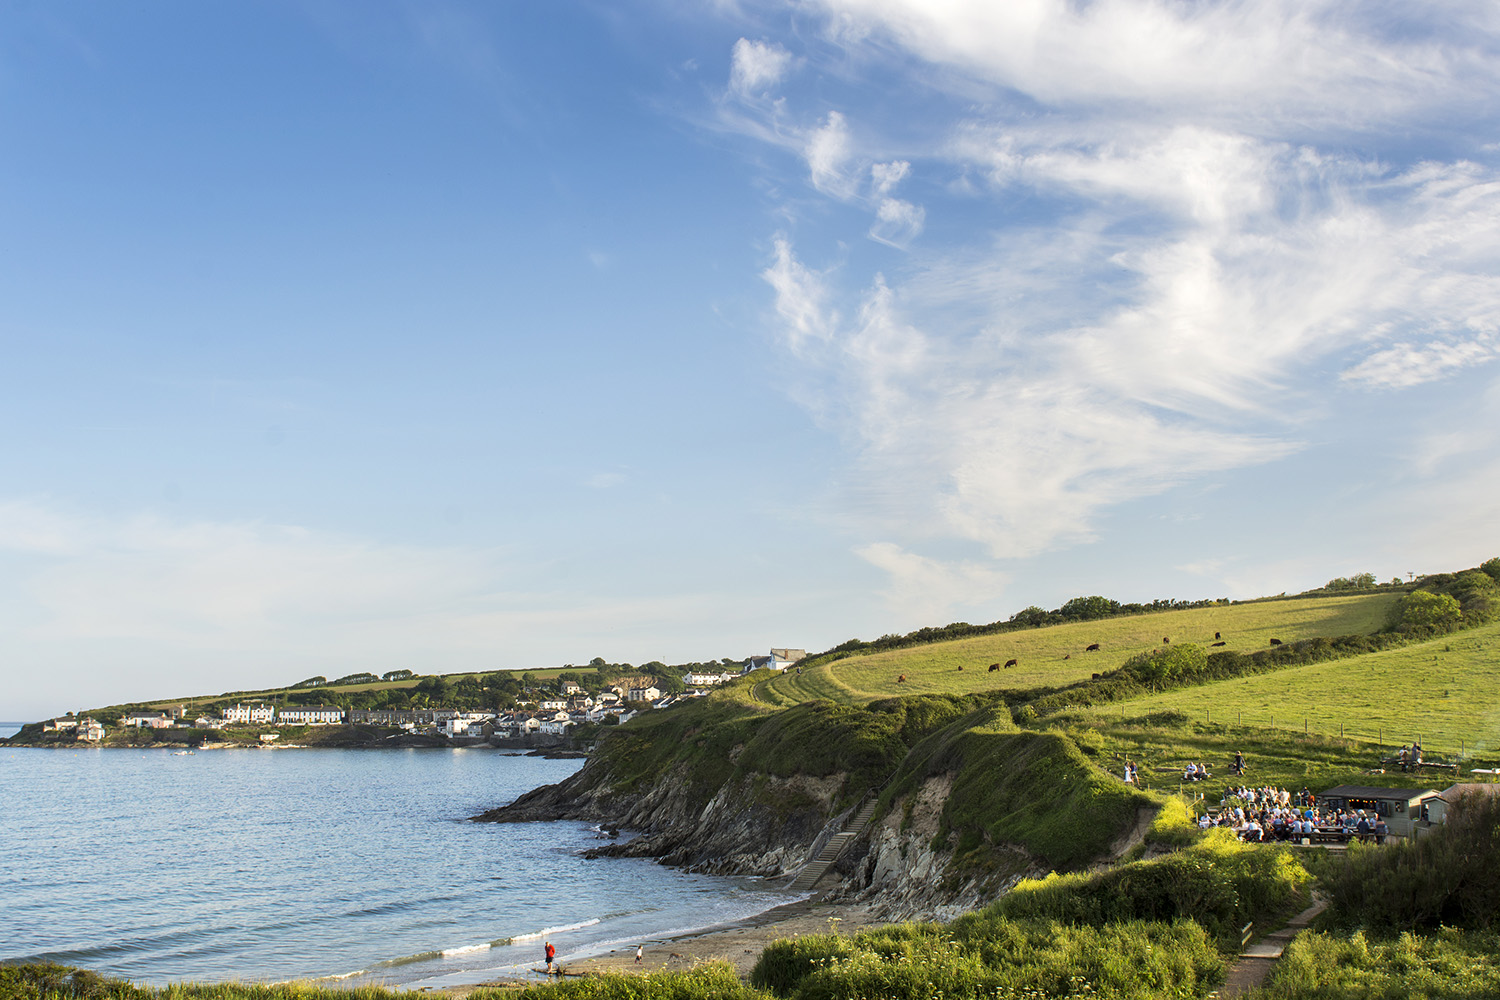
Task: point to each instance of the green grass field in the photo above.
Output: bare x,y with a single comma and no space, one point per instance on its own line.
1445,691
1055,655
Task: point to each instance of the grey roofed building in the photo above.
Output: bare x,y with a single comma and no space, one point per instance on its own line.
1439,805
1401,807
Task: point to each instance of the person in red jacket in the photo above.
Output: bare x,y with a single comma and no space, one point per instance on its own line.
551,956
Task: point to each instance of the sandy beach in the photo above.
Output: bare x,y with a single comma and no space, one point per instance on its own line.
739,944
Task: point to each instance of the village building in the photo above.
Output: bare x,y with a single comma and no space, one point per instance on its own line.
60,725
145,720
1400,807
311,715
779,659
89,730
571,687
257,714
643,694
1440,806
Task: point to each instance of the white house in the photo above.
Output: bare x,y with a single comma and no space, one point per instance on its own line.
693,680
311,715
469,724
779,659
89,730
643,694
153,720
60,725
571,687
255,715
554,704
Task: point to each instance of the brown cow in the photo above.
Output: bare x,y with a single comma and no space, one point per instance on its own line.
1091,647
994,667
1218,644
1275,642
901,679
1218,636
1067,656
1165,640
1010,663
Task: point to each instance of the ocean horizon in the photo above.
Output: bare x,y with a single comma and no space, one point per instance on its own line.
352,866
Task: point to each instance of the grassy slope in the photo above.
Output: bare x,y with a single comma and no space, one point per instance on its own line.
933,669
1447,690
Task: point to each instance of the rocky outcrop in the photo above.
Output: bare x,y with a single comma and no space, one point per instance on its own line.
903,871
755,825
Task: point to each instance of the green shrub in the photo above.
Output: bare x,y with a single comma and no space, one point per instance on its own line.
1008,959
717,981
1449,964
1451,876
1174,825
1422,609
1220,883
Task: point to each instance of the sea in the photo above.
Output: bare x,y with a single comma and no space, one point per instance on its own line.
346,866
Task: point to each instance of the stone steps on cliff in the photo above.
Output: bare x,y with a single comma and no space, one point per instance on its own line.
815,869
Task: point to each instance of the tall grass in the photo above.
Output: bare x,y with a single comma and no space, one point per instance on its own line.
55,982
1451,964
996,959
715,981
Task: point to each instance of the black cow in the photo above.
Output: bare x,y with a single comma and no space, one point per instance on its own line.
1218,644
1010,663
994,667
1091,647
1218,636
1275,642
1096,677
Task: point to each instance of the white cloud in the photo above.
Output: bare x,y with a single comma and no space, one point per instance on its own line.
1306,61
756,67
827,153
928,590
897,222
885,176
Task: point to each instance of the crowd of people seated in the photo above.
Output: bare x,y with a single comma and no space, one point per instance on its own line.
1270,814
1195,772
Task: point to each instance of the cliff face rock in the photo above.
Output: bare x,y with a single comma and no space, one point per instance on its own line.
903,871
755,825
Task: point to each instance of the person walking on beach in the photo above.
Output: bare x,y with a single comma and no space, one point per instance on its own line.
638,951
551,956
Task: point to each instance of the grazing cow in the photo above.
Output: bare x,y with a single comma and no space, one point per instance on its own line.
1010,663
1165,640
994,667
1218,636
1218,644
1091,647
960,668
1275,642
1096,677
901,679
1067,656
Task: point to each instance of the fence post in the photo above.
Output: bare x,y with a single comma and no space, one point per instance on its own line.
1341,730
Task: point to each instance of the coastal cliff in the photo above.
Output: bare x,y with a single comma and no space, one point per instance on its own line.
964,803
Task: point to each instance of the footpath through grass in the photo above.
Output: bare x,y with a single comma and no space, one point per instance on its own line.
1056,655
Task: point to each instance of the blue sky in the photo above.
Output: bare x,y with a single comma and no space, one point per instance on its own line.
454,336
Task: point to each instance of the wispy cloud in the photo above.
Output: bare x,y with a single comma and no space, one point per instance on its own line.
1197,233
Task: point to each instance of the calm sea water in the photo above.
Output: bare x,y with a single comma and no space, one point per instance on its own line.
288,864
